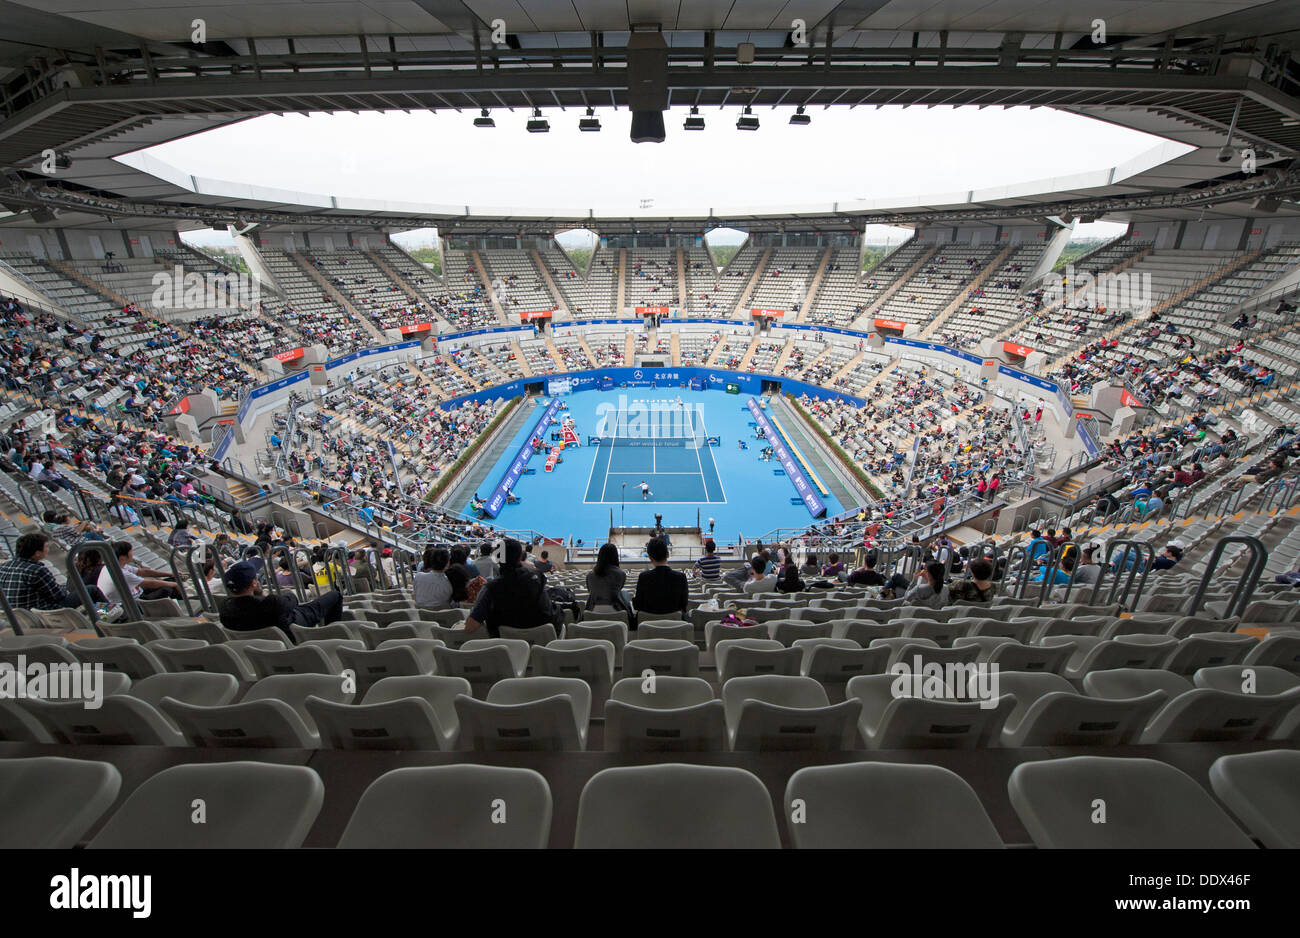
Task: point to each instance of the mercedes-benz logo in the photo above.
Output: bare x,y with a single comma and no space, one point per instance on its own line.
637,374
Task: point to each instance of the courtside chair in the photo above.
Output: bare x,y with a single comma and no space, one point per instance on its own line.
1147,805
676,806
452,807
884,806
670,714
1261,790
51,802
247,805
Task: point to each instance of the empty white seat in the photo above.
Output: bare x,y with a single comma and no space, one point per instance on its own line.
416,712
19,725
613,632
483,661
1203,715
587,659
664,714
549,713
788,631
1146,805
197,687
1207,651
1050,712
215,659
120,720
1278,650
879,805
452,807
310,658
901,721
664,656
1123,683
740,657
124,655
1260,790
536,635
1246,679
715,632
1092,653
259,724
50,802
832,661
674,807
1010,655
247,805
781,712
396,660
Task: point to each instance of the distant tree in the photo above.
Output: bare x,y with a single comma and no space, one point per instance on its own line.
581,258
723,253
429,256
1076,249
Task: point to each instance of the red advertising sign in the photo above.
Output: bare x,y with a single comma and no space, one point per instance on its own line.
1020,351
1128,400
183,407
418,327
292,354
652,310
769,313
536,314
317,367
889,324
1256,231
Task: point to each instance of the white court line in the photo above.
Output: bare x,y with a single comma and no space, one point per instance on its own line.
716,471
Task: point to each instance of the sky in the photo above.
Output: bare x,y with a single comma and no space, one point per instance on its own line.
845,154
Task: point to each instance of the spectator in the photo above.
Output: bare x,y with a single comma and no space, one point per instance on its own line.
605,582
834,568
180,536
1168,557
760,581
247,608
1088,571
790,581
928,589
143,582
27,582
432,587
866,575
977,587
487,567
544,565
238,523
364,577
660,590
709,567
517,597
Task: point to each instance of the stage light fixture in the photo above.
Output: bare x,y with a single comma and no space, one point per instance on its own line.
694,121
800,118
538,124
590,123
747,120
484,119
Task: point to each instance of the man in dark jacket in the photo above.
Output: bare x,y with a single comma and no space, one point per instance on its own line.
661,590
517,598
248,609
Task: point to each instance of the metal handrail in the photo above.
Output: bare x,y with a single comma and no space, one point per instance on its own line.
1246,583
107,552
1137,557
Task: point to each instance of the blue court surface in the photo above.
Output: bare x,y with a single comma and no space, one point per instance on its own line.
647,437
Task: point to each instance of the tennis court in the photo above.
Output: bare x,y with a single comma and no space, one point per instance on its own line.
691,481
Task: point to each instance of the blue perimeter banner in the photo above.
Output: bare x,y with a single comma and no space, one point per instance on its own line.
793,470
497,500
611,379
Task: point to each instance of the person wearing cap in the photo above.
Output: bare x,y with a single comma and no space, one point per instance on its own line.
517,598
248,609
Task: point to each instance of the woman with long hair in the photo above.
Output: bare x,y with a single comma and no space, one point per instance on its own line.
605,582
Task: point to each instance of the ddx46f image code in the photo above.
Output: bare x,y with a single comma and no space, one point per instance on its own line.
1190,879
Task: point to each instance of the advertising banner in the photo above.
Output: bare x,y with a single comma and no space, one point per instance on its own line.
496,501
812,501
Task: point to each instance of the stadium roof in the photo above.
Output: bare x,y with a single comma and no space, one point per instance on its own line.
95,81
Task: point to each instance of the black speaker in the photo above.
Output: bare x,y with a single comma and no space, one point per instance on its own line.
647,127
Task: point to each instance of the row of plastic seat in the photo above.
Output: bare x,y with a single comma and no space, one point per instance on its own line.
53,802
963,708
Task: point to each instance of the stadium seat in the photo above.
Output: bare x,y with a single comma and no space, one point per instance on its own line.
1145,805
214,659
715,632
663,656
1203,714
483,661
310,658
197,687
1246,679
676,631
780,712
832,662
393,660
1260,790
1010,655
452,807
788,631
901,721
537,635
50,802
1050,712
245,805
121,720
18,725
397,713
1207,650
739,657
614,632
546,713
587,659
680,714
1278,650
43,653
673,806
1097,654
882,806
124,655
257,724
